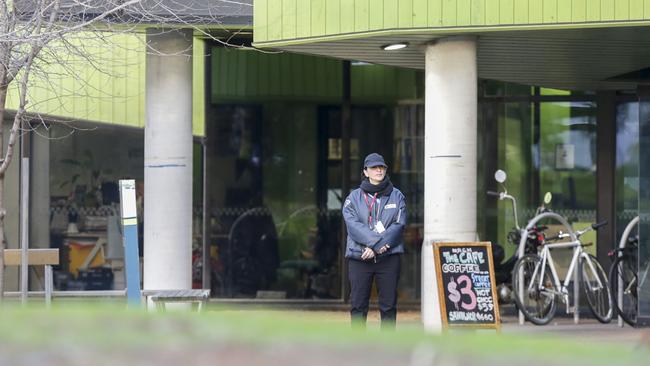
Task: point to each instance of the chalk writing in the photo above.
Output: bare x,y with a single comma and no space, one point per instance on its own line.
464,271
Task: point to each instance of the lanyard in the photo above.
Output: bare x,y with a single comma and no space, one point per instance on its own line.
370,205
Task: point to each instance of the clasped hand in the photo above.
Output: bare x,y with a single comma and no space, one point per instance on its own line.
367,254
384,249
370,254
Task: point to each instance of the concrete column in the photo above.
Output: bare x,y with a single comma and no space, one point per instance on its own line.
168,161
449,157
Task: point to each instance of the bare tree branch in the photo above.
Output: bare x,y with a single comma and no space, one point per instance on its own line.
19,113
45,41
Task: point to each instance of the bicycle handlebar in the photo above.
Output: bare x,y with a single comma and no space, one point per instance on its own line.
598,225
493,193
592,227
578,233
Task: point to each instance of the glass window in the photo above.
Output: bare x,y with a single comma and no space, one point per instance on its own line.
543,147
407,173
275,194
274,168
627,164
568,158
85,168
266,218
568,166
644,210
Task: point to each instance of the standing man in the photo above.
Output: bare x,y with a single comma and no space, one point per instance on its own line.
375,216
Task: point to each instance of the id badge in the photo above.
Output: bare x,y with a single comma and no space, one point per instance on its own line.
380,227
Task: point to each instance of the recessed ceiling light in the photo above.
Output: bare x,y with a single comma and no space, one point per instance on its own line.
394,46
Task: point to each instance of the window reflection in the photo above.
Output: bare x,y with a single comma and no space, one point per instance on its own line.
644,209
275,194
544,146
627,164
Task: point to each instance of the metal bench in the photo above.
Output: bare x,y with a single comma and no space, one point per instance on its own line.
160,297
37,257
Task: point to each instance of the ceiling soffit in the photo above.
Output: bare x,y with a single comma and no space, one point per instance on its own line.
581,59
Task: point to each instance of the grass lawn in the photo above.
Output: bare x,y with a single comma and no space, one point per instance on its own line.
91,334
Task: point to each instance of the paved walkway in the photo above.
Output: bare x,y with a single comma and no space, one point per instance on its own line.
588,330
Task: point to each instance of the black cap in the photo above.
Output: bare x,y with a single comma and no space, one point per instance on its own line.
374,159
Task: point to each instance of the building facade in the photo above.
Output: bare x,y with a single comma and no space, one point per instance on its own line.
550,91
593,50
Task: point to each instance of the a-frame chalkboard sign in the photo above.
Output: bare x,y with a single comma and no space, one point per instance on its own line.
466,286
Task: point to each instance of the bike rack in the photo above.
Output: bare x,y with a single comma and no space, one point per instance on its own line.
522,246
621,244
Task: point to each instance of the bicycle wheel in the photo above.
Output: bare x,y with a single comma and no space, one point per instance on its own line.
596,289
537,302
624,269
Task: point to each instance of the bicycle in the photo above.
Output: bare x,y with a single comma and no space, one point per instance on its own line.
537,284
624,274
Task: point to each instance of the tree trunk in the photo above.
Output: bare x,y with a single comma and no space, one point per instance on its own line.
3,99
2,237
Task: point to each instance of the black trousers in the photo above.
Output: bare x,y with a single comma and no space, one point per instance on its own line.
386,275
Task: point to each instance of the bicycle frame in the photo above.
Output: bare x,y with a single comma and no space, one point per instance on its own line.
560,289
626,234
522,245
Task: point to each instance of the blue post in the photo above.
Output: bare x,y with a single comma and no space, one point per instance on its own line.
132,262
130,239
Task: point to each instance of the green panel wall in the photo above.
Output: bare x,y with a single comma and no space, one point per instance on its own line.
248,76
382,84
284,20
109,90
198,87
